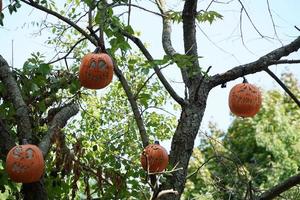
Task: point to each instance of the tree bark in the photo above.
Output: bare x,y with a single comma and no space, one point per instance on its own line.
34,191
6,141
183,144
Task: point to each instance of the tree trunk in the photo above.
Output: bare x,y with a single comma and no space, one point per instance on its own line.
182,146
34,191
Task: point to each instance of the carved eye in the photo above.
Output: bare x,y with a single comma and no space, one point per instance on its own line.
17,152
101,64
29,153
93,64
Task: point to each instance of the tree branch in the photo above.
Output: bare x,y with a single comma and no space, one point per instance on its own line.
69,51
137,6
286,62
161,77
166,37
280,188
283,86
166,31
6,142
189,36
14,93
58,122
134,106
261,64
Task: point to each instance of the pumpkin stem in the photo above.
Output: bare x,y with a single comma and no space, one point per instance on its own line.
97,50
245,80
24,141
156,142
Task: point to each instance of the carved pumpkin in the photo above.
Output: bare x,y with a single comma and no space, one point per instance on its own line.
25,163
96,70
244,99
154,158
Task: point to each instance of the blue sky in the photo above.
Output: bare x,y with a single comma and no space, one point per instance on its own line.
225,52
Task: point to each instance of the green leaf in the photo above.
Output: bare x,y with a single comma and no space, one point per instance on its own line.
74,86
208,16
44,69
42,106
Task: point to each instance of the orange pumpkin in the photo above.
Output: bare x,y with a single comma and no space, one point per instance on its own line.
25,163
96,70
154,158
244,99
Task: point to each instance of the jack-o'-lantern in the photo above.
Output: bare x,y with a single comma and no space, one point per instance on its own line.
245,99
96,70
154,158
25,163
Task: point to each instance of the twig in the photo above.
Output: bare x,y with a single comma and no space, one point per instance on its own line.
64,19
68,53
136,6
283,86
197,170
161,77
241,31
145,83
273,23
261,35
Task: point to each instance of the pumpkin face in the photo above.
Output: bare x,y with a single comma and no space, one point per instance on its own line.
154,158
25,163
244,100
96,70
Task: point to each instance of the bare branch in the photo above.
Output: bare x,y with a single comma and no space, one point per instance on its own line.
147,80
68,53
273,23
280,188
64,19
261,64
136,6
197,170
57,123
243,8
149,57
216,45
14,93
241,30
166,31
283,86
